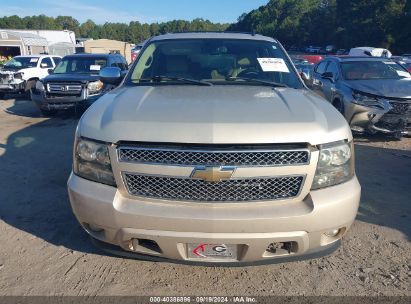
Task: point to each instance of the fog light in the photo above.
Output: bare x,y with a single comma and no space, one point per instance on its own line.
332,233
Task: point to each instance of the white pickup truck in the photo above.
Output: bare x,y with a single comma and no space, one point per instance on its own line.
20,74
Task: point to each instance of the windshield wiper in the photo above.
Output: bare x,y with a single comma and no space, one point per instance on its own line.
265,82
180,79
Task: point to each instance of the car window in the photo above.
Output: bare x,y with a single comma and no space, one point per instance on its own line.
81,64
22,62
215,60
332,68
124,63
56,60
368,70
320,68
46,63
118,62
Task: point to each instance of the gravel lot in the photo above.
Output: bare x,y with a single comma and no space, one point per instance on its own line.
45,252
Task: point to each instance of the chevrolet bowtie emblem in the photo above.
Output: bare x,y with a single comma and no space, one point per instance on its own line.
213,174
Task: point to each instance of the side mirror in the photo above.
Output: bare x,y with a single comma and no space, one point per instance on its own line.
50,71
44,65
111,75
328,75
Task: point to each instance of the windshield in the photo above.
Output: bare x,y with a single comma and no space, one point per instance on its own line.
89,65
22,62
370,70
217,61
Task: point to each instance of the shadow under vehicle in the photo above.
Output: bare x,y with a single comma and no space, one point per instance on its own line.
374,94
75,82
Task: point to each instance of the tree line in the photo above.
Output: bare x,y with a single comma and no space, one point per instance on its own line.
133,32
344,23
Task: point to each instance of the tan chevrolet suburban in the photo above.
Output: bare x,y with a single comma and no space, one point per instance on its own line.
212,150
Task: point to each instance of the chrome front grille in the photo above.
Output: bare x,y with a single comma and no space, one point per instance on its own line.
64,88
188,157
233,190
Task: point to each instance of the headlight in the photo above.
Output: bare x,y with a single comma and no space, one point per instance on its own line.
95,87
92,161
19,75
335,164
39,86
365,100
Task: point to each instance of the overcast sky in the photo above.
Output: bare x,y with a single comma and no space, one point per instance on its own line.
101,11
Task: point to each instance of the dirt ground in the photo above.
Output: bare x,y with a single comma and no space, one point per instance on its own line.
43,251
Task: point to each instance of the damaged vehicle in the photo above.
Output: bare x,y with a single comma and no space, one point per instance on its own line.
20,73
75,82
374,94
213,151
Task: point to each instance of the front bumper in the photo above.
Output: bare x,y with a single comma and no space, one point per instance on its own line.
112,218
12,87
63,102
381,120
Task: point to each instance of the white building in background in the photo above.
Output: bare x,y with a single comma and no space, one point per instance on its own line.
60,42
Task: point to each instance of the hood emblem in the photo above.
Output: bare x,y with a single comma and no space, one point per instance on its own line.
213,174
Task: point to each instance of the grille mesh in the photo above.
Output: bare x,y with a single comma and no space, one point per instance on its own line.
399,108
233,190
214,158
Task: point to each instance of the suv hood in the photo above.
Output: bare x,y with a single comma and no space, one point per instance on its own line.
72,77
8,70
219,114
400,88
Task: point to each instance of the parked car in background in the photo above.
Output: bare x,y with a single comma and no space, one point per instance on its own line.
341,52
312,58
370,51
20,74
213,151
329,49
315,49
75,82
304,68
135,51
374,94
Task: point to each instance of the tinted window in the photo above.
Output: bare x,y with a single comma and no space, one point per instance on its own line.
320,68
46,61
117,62
22,62
333,68
56,60
215,60
367,70
81,64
